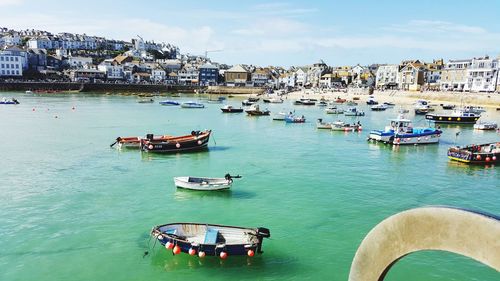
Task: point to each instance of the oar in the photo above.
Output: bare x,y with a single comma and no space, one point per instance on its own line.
117,140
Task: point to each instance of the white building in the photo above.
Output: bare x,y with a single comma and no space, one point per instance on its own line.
158,74
482,75
112,70
11,62
78,62
301,76
10,40
188,76
387,76
454,75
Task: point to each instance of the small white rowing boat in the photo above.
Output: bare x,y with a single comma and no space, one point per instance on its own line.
205,184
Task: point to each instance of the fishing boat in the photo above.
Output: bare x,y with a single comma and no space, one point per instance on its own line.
204,239
280,116
334,110
255,111
371,100
346,127
169,102
205,184
323,125
379,107
253,99
400,131
353,111
231,109
146,101
135,142
322,103
11,101
474,109
486,125
422,107
248,103
488,153
457,116
192,104
197,140
291,118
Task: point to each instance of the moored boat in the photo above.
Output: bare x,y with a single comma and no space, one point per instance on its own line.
204,183
401,131
135,142
280,116
253,99
448,106
197,140
488,153
169,102
291,118
422,107
455,117
231,109
353,111
204,239
192,104
379,107
334,110
146,101
248,103
371,100
346,127
323,125
486,125
11,101
474,109
255,111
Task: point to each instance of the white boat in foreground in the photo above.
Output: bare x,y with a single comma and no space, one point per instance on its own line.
205,184
486,125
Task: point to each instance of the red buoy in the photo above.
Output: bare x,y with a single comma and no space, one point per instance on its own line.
192,252
201,254
223,255
169,245
478,157
250,253
176,250
487,159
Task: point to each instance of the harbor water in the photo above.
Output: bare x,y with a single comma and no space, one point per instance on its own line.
72,208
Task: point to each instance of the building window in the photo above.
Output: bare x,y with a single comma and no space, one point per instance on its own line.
17,59
1,58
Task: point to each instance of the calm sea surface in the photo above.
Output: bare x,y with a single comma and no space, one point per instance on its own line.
71,208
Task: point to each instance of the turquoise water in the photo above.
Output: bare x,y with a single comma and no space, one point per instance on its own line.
71,208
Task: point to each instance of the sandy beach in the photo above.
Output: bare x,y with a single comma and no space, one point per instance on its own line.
491,100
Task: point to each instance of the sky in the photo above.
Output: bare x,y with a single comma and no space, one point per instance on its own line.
279,32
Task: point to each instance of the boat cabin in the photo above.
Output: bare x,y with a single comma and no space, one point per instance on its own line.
400,126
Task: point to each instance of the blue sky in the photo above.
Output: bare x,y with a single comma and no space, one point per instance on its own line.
281,32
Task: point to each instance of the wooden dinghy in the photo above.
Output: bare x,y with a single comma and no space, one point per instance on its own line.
197,140
210,239
205,184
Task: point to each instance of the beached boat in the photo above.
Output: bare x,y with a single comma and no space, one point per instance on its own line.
273,100
192,104
379,107
291,118
455,117
169,102
334,110
486,125
11,101
474,109
305,102
205,184
346,127
353,111
323,125
351,103
197,140
389,104
146,101
204,239
253,99
255,111
488,153
448,106
231,109
422,107
29,92
400,131
322,103
371,100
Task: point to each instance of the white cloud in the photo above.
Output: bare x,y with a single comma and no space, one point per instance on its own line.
273,27
10,2
431,26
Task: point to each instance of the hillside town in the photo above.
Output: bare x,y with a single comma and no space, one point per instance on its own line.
36,55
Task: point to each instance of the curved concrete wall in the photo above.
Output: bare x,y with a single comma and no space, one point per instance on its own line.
458,231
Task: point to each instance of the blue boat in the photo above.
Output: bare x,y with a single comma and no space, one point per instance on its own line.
400,131
295,119
210,239
169,102
6,101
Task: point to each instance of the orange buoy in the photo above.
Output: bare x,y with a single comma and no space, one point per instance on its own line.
176,250
250,253
223,255
478,157
201,254
192,252
169,245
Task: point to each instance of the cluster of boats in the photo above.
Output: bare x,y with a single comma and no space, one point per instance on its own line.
188,104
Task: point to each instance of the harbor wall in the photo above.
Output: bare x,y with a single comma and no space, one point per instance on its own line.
234,90
94,87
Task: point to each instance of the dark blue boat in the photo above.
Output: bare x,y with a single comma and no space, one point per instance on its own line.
210,239
5,101
169,102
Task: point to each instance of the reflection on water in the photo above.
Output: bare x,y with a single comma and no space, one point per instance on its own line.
186,195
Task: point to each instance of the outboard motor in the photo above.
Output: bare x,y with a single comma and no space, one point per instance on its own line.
264,232
149,137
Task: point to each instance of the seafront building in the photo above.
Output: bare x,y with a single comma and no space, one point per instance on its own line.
387,77
482,75
454,75
411,76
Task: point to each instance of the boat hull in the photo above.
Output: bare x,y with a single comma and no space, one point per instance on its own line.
195,142
232,110
391,137
452,119
486,154
202,184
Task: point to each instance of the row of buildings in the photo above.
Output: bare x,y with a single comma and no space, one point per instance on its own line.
474,75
